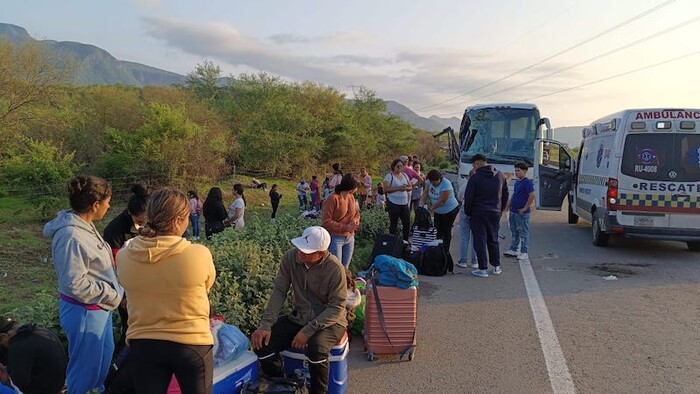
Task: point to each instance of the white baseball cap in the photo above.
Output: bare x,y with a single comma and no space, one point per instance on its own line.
314,239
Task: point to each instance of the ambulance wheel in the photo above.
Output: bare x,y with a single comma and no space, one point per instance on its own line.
410,355
694,246
600,238
370,356
572,218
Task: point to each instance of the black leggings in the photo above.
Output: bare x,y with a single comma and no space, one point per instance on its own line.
155,361
443,226
397,212
275,205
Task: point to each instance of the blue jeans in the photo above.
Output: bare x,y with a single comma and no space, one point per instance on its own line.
519,231
194,220
90,346
465,243
302,202
313,199
342,248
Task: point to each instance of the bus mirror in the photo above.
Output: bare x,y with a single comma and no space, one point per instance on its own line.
548,128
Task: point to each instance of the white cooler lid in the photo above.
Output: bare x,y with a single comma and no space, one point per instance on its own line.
240,362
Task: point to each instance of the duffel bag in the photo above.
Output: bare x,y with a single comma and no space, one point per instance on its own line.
436,261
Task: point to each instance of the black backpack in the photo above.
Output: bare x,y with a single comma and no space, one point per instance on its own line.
275,385
436,261
387,244
423,221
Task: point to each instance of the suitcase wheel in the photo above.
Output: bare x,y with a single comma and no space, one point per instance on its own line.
410,355
370,356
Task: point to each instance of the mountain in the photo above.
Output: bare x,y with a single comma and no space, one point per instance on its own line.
95,66
92,65
405,113
453,122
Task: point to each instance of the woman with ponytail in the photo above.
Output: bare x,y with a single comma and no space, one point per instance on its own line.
87,284
168,279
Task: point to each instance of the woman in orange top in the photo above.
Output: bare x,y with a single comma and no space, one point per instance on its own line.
341,217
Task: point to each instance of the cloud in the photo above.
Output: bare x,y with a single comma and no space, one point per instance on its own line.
413,76
148,4
337,38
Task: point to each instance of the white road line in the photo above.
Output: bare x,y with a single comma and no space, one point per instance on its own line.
558,372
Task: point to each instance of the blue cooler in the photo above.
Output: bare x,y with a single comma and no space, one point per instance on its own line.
229,378
295,363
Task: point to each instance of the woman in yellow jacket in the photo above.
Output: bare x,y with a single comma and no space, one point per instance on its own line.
341,217
168,280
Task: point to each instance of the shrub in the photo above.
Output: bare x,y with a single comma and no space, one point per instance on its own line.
42,171
247,261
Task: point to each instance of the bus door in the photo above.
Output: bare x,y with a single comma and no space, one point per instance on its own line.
553,169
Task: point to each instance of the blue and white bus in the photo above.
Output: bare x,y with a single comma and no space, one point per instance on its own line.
505,133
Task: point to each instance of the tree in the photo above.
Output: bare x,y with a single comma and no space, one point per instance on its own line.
203,80
167,148
28,76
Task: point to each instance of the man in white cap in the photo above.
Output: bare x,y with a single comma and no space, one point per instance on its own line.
318,320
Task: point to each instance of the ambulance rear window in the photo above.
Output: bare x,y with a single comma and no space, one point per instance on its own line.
662,157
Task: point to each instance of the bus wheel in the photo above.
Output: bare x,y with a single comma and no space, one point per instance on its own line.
694,246
572,218
600,238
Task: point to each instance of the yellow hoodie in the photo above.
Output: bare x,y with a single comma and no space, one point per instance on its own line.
167,280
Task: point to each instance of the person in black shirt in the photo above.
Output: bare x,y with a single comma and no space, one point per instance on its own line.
36,360
275,198
125,225
121,229
215,214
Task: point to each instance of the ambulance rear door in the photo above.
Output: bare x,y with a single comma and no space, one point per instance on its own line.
660,177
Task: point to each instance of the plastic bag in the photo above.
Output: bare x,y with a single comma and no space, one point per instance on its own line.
229,342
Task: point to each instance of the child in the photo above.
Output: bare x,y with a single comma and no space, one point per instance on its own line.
381,198
518,208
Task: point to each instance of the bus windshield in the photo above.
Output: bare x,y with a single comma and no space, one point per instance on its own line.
504,134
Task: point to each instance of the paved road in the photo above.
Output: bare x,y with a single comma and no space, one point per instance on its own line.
639,333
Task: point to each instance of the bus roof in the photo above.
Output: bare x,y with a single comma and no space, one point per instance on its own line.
495,105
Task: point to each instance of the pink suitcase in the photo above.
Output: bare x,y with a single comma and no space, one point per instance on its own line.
397,336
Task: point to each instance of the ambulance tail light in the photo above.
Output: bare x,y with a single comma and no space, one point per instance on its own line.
612,193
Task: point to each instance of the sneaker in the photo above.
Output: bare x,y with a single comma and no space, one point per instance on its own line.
497,270
474,265
510,253
523,256
480,273
463,265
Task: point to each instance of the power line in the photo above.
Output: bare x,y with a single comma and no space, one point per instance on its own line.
618,49
614,76
587,40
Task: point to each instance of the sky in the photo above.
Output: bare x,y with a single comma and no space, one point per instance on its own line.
577,60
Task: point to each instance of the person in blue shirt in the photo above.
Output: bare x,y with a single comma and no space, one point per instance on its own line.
443,205
519,213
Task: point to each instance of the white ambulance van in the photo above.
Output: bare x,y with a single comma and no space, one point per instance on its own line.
637,174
